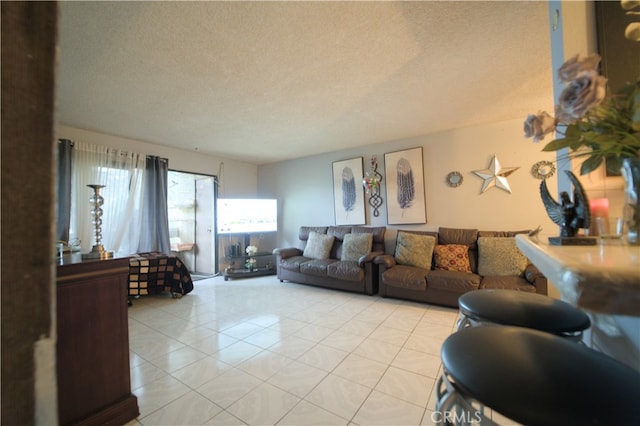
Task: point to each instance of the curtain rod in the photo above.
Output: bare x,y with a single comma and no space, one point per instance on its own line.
122,152
166,160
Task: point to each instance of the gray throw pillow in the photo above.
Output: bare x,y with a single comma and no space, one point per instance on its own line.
318,246
500,256
414,249
354,246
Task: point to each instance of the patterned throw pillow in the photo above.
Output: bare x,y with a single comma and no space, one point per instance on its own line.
318,246
500,256
452,257
354,246
414,249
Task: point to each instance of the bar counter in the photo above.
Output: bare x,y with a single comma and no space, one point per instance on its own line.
603,280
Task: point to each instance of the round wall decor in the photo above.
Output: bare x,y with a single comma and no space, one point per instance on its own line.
543,169
454,179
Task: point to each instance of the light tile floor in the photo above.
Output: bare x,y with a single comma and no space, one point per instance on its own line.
260,352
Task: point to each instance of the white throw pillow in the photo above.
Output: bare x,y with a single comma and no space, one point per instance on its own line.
414,249
500,256
354,246
318,246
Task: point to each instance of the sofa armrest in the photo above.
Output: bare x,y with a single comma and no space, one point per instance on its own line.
369,257
535,277
386,260
287,252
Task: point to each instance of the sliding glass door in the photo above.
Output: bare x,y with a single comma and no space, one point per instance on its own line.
191,199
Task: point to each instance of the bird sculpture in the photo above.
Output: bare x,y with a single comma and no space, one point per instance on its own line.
570,215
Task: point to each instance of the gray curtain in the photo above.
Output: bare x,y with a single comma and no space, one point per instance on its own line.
154,235
65,146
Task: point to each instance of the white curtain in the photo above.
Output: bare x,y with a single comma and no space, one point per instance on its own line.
122,174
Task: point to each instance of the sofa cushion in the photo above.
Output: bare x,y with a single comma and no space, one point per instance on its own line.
410,277
459,282
466,237
303,233
318,246
339,232
500,256
414,249
317,267
293,263
452,257
377,232
507,283
347,270
354,246
502,233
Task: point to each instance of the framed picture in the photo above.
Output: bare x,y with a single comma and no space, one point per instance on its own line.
348,193
405,187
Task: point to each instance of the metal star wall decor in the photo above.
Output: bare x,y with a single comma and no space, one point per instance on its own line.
495,176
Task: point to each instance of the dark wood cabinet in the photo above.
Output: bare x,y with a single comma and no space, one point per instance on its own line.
94,385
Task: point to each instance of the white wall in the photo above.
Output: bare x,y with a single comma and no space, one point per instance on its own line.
304,186
238,179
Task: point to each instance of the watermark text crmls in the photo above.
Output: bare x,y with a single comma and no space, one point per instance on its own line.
457,417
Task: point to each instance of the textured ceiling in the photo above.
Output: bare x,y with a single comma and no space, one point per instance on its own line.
267,81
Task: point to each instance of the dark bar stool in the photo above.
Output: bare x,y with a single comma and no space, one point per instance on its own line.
521,309
534,378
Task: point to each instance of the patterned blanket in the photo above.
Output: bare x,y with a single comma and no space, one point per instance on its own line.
151,273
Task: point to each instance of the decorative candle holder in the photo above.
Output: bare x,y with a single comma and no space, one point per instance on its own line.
96,200
371,183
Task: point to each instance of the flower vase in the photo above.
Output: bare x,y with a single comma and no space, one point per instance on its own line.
251,265
631,174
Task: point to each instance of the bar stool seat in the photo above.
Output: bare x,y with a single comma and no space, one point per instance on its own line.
521,309
534,378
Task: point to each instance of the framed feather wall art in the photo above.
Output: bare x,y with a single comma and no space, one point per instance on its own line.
405,187
348,193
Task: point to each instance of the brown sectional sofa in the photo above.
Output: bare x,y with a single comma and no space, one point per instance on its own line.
428,283
330,271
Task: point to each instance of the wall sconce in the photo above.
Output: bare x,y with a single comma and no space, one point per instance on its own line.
371,183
